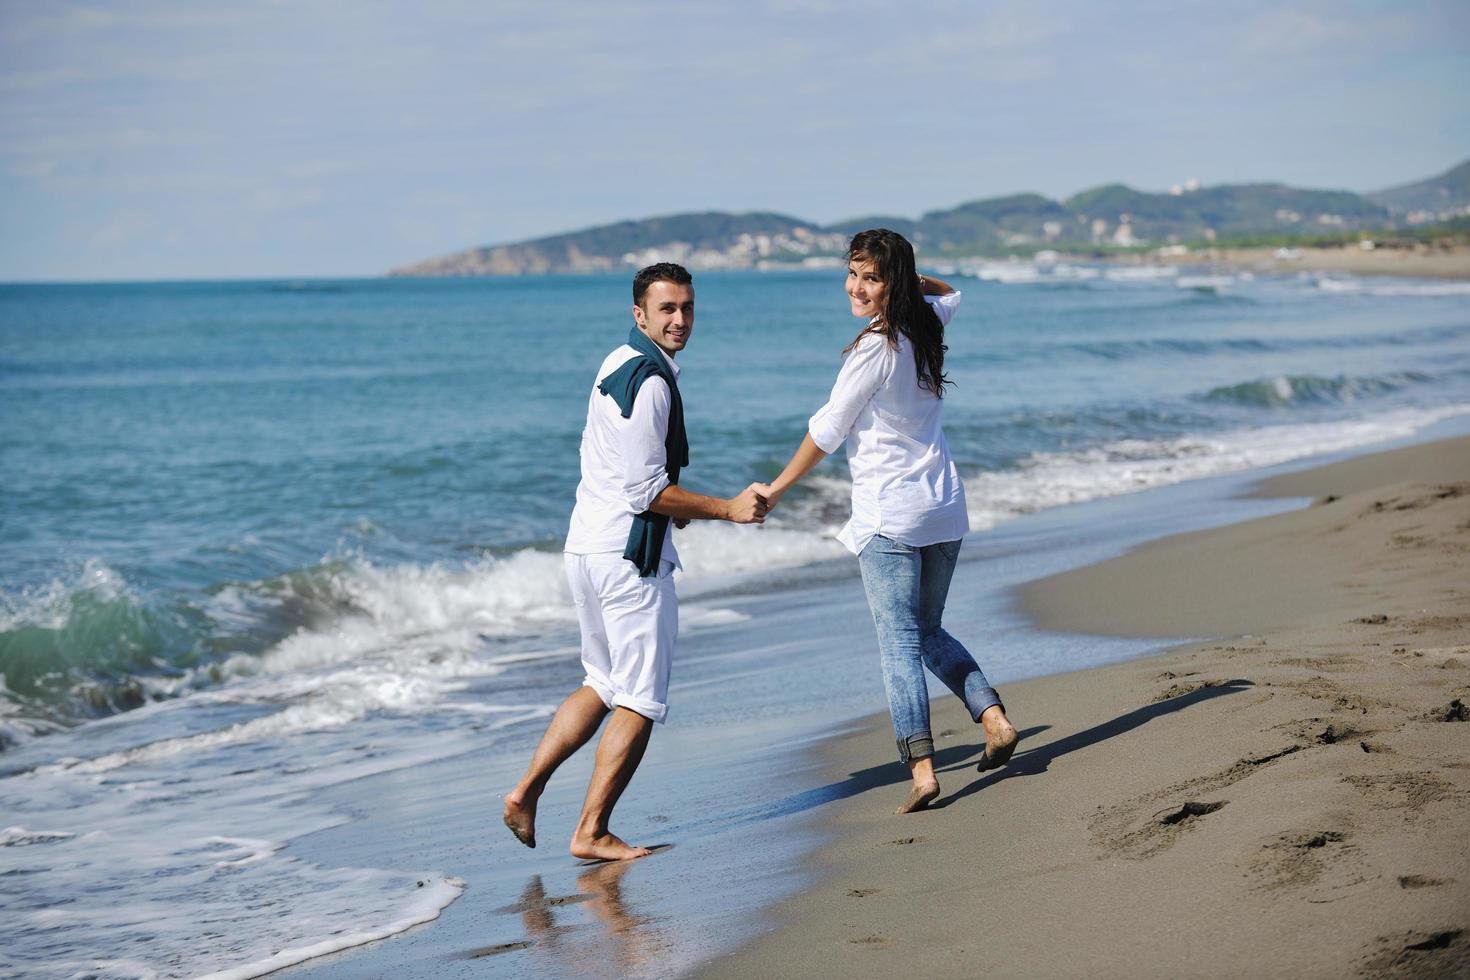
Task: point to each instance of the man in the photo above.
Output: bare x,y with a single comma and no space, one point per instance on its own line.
620,559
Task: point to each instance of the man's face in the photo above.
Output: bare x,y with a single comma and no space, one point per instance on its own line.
666,315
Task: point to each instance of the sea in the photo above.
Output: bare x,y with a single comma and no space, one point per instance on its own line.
282,610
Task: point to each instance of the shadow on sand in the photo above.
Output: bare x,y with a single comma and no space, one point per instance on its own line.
1026,762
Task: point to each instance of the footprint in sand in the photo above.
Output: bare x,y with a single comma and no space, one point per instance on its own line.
1123,829
1337,664
1111,829
1409,792
1436,953
1179,690
1173,817
476,954
1423,881
1454,711
1333,734
1297,860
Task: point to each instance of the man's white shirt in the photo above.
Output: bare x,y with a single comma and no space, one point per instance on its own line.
624,463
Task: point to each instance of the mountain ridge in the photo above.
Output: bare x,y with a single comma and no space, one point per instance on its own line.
1108,215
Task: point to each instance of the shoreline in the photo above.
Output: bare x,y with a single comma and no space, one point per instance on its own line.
1287,801
1414,263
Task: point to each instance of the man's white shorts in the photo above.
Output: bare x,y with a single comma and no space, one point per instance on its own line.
629,625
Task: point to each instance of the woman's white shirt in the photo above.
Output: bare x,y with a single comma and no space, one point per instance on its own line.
904,483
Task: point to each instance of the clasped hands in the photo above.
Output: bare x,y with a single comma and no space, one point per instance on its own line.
750,506
753,503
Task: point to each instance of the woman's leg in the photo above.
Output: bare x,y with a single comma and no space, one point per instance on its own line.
891,573
948,659
945,656
891,580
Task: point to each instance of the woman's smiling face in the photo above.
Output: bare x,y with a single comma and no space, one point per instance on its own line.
865,287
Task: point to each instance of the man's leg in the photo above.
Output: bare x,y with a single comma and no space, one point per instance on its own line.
618,755
574,723
641,618
579,715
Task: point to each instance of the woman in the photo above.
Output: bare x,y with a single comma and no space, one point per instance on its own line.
908,505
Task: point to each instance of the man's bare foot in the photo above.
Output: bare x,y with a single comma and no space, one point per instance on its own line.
1000,739
608,847
919,798
522,821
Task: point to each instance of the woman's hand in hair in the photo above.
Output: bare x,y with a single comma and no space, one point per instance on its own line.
934,287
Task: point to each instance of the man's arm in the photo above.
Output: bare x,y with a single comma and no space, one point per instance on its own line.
645,457
747,507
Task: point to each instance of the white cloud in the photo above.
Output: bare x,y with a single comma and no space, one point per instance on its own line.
525,118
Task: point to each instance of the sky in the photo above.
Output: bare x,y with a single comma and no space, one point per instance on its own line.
195,139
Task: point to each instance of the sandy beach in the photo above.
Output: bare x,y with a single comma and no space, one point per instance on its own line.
1424,262
1285,801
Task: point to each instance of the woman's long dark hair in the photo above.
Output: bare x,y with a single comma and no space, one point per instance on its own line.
905,311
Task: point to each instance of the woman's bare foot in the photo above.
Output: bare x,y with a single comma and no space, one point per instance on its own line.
607,847
521,820
919,797
1000,739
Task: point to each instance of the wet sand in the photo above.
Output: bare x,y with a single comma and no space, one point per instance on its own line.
1288,801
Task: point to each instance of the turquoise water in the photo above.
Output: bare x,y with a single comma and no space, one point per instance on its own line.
192,470
254,527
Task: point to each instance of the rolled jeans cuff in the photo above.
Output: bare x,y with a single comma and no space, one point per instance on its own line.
916,746
982,701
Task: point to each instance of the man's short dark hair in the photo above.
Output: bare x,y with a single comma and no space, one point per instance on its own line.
659,272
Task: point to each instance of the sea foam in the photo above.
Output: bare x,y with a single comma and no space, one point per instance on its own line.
1049,480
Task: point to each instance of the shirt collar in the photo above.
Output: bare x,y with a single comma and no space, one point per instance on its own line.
672,366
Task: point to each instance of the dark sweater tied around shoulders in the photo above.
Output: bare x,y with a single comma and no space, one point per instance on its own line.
646,539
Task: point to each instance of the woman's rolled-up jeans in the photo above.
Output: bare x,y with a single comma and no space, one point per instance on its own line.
906,589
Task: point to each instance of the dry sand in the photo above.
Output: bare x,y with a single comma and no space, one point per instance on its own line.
1290,802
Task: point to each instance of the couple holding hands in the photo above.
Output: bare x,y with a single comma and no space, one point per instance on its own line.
908,516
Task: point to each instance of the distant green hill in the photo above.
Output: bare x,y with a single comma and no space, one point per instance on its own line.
1445,196
706,239
985,225
1110,216
1223,211
851,226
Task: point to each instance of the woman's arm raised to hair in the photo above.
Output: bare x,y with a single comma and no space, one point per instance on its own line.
935,287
